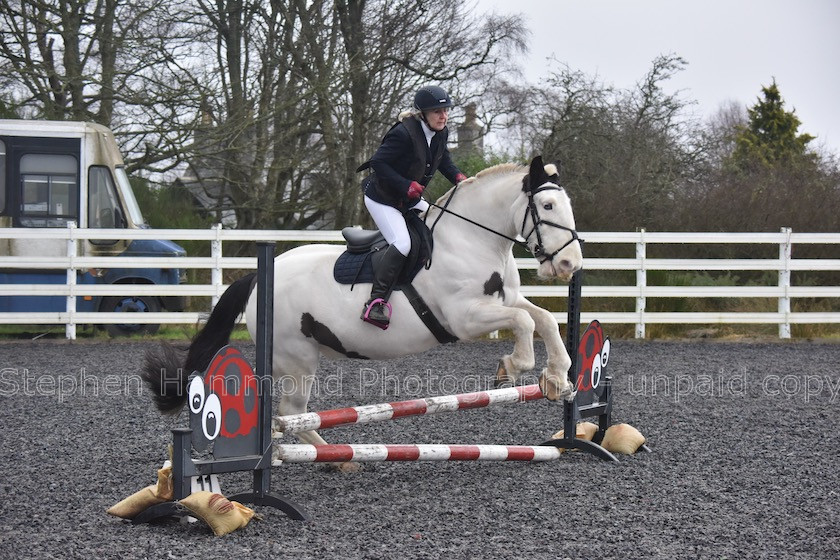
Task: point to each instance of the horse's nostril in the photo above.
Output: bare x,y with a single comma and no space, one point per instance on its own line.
566,264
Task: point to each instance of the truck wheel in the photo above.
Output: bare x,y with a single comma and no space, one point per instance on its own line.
137,304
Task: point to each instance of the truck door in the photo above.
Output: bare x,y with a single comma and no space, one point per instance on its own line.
41,190
104,212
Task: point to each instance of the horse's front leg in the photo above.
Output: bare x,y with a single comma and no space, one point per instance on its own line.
554,380
488,317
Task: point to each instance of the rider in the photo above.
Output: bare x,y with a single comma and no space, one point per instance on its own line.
403,165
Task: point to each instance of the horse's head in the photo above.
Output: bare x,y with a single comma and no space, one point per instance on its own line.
549,225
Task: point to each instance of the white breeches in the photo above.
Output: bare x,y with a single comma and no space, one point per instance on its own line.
391,223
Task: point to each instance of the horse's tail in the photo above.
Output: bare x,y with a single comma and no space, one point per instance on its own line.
167,369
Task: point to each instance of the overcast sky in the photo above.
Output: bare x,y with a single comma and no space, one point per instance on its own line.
732,48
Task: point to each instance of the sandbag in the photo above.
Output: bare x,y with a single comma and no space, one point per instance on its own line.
222,515
583,430
164,488
622,438
143,499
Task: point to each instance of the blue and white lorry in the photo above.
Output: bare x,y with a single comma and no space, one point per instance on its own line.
56,172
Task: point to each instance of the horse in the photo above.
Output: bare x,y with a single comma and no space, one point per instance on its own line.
471,287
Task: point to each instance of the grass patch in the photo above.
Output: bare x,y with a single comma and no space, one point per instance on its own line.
89,332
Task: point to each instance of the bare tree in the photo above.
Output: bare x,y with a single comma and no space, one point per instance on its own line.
381,52
110,61
63,54
625,154
270,105
48,48
721,128
324,81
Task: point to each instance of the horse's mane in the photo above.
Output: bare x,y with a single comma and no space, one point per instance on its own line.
499,169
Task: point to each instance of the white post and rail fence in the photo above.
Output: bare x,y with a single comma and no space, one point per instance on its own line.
784,290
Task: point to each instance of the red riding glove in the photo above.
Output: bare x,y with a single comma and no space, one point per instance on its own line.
415,189
459,177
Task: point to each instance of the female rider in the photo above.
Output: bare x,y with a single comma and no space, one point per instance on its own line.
410,154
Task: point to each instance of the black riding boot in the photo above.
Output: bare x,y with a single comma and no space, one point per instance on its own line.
385,274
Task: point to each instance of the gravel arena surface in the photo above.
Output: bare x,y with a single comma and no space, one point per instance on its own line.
744,461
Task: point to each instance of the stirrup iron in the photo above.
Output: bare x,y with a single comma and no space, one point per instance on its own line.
366,317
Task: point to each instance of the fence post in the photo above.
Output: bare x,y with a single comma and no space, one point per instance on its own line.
641,283
216,276
785,252
70,327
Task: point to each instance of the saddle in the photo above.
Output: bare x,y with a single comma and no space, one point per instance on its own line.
357,263
364,247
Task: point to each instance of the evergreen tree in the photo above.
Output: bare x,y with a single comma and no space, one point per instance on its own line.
770,137
771,178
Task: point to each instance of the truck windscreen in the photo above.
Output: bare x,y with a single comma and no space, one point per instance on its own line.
131,205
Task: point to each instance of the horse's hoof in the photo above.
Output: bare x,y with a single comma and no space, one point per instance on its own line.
502,377
549,389
347,467
548,392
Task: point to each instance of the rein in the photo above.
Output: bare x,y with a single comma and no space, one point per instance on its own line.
538,251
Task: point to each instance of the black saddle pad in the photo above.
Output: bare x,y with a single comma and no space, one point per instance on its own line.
357,268
353,268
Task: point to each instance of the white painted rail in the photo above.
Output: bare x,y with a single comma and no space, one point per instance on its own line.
783,291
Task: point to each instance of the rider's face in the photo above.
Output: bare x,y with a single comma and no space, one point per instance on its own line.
437,118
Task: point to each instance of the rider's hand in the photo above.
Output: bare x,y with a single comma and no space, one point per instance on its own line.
415,189
459,177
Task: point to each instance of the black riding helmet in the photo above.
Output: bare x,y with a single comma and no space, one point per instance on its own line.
429,98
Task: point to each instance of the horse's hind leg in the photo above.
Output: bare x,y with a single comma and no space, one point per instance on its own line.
295,396
294,377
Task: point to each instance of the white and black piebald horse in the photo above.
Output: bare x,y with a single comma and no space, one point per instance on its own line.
472,288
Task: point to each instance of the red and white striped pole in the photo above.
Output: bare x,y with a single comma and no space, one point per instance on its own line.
296,423
359,453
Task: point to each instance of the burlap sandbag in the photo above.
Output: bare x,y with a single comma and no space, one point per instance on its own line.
164,488
137,502
222,515
583,430
622,438
145,498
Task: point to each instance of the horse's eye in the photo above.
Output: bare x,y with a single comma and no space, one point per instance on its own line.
547,206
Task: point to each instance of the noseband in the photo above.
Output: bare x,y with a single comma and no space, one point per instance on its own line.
539,251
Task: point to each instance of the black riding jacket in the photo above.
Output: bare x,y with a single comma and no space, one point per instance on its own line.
403,157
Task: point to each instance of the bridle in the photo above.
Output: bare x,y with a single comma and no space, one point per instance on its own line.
538,249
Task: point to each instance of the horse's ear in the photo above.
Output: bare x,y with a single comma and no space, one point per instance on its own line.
536,174
553,171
